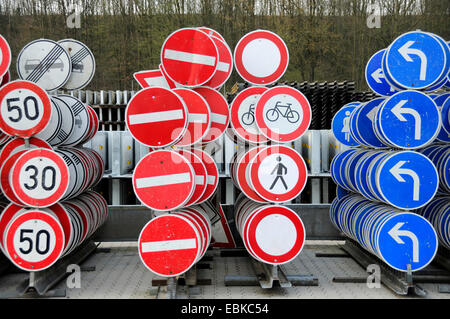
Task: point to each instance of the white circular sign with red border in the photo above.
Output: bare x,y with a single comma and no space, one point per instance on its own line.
39,178
283,114
34,240
18,144
169,245
278,173
5,56
261,57
275,234
156,117
242,115
199,117
164,180
25,108
189,57
220,114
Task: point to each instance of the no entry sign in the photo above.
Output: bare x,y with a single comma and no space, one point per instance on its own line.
261,57
169,245
224,66
190,57
164,180
283,114
212,178
156,117
5,56
39,178
278,173
25,108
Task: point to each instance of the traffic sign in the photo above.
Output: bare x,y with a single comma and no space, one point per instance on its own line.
275,234
224,66
169,245
283,114
278,173
212,178
34,240
364,119
341,125
156,117
409,120
189,57
25,108
81,119
19,144
212,33
416,60
68,121
407,241
220,115
445,112
46,63
83,64
199,117
39,178
375,77
164,180
261,57
4,79
407,180
200,176
5,56
152,78
242,115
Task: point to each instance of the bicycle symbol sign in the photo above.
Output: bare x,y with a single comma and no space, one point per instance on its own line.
284,110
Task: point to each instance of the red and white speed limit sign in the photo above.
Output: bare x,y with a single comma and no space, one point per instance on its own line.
275,234
189,57
156,117
220,115
261,57
5,56
18,144
39,178
34,239
278,173
25,108
242,115
169,245
164,180
283,114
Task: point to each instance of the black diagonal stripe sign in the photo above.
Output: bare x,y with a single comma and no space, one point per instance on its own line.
79,56
45,63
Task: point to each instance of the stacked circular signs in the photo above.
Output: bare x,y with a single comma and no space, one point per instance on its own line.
53,65
437,212
405,241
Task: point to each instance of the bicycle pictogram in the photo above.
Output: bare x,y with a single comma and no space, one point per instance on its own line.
291,115
248,118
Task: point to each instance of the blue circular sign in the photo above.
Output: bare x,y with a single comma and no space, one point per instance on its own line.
445,115
375,77
407,180
341,125
416,60
364,119
407,240
409,120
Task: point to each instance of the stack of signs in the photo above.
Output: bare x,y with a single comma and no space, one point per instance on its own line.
405,163
37,228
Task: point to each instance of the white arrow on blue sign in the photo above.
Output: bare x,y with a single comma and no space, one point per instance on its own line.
375,76
407,240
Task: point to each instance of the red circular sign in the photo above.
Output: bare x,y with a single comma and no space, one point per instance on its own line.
5,56
156,117
275,234
220,115
225,65
5,179
278,173
212,178
18,144
242,178
283,114
39,178
5,217
189,57
34,240
199,117
212,33
169,245
242,115
25,108
200,176
164,180
261,57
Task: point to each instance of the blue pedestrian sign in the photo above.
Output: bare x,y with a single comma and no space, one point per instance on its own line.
409,120
375,76
341,124
407,180
416,60
407,240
